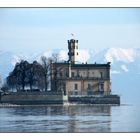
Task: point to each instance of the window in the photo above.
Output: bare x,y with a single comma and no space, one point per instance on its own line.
102,86
89,86
101,73
67,74
76,86
72,74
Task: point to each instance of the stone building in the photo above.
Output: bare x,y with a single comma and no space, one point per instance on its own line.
80,79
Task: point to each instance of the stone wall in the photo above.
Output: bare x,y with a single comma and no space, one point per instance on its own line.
53,98
32,98
109,99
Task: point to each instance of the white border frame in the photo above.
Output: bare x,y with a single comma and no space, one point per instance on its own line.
69,3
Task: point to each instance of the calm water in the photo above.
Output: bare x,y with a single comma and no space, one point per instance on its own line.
72,118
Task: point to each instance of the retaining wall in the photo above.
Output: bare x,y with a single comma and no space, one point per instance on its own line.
35,98
109,99
32,98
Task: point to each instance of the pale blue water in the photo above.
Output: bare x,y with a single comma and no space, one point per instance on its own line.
72,118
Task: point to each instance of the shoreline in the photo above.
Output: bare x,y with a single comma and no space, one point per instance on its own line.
5,105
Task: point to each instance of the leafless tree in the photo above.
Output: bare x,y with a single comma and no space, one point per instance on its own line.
58,74
46,63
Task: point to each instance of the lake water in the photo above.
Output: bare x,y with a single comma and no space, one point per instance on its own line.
71,118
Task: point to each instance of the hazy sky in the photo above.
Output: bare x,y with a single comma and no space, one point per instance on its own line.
33,30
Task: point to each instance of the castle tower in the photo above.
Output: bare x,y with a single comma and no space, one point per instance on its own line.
73,50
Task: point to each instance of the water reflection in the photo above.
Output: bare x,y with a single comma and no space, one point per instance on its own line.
89,119
73,118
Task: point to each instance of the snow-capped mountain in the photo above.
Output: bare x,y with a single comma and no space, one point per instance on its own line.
8,61
125,65
5,63
122,60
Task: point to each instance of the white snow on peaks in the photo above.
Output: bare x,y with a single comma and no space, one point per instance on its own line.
119,54
63,55
47,53
83,56
124,67
15,60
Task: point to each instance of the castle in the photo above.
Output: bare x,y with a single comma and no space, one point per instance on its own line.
71,82
72,78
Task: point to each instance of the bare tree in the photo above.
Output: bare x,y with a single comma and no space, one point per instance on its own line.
58,74
55,57
46,63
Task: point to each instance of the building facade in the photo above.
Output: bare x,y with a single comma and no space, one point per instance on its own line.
80,79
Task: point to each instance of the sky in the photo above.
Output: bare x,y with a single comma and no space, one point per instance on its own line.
35,30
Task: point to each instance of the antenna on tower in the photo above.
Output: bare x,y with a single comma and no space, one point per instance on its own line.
72,35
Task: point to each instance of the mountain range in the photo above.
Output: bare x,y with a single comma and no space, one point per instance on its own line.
125,64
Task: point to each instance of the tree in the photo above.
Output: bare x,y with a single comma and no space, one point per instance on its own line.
24,65
55,57
35,75
46,63
27,75
57,84
17,78
4,87
12,82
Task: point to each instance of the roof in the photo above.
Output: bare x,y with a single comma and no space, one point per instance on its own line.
85,65
90,65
